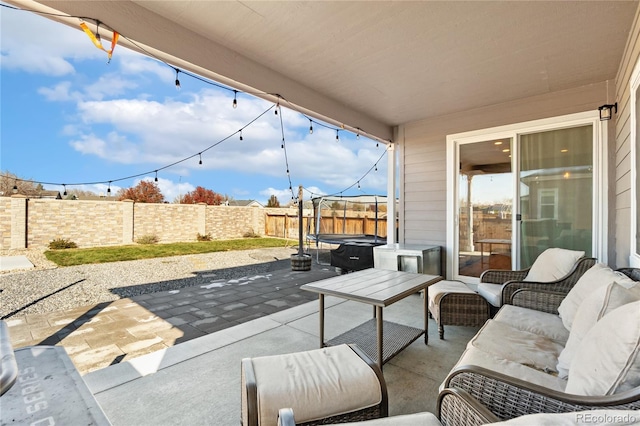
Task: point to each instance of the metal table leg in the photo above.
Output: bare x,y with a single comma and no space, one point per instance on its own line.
425,306
321,313
380,334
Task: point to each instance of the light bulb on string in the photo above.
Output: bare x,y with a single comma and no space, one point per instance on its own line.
358,184
277,108
282,146
337,135
358,135
15,187
65,190
310,127
376,167
177,79
97,33
241,134
109,189
377,144
235,99
200,162
156,179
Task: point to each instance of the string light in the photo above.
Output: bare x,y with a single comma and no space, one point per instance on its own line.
177,79
241,134
358,133
97,37
337,135
282,145
15,186
235,99
156,179
200,162
310,127
109,189
277,108
65,190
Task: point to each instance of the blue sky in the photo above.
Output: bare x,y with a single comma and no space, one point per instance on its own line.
69,117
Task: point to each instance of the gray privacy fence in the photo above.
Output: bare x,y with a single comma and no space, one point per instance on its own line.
33,223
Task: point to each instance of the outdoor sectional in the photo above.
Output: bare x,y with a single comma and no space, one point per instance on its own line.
585,356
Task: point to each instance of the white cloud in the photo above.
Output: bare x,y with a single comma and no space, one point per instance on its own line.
27,45
59,93
164,132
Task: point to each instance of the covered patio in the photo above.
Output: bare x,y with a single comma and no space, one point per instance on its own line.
423,78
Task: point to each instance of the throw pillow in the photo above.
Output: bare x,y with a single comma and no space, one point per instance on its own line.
553,264
607,360
598,304
599,275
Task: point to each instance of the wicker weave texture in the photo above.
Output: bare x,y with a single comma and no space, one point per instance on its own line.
354,416
458,408
539,300
507,401
396,337
562,286
462,309
501,276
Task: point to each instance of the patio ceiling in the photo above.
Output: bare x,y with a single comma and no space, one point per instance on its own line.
375,65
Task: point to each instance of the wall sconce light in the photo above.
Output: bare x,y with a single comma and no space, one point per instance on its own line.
607,110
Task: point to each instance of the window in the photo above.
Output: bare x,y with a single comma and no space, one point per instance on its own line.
548,203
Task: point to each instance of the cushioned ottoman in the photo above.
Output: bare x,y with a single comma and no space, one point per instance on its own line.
334,384
453,303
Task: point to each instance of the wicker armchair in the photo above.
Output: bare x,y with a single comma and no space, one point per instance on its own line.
508,397
455,408
512,281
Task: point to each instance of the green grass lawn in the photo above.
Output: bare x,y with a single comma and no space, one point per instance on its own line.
71,257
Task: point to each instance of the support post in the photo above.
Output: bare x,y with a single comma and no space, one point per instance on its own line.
391,194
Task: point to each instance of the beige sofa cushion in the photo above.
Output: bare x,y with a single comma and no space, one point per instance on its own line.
607,360
529,349
315,383
475,357
599,275
553,264
598,304
491,292
541,323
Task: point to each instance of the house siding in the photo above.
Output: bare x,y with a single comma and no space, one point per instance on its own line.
422,153
622,153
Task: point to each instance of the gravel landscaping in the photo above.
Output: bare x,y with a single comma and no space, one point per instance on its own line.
48,288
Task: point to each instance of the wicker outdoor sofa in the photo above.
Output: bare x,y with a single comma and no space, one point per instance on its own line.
557,352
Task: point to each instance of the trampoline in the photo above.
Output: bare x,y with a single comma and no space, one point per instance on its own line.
355,217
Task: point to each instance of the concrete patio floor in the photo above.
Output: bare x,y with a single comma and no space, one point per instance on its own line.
198,382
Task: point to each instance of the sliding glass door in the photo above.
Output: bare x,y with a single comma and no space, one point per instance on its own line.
517,190
555,191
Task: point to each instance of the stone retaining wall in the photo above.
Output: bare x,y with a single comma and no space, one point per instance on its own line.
33,223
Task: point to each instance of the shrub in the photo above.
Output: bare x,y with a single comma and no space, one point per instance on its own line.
61,243
148,239
205,237
250,234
